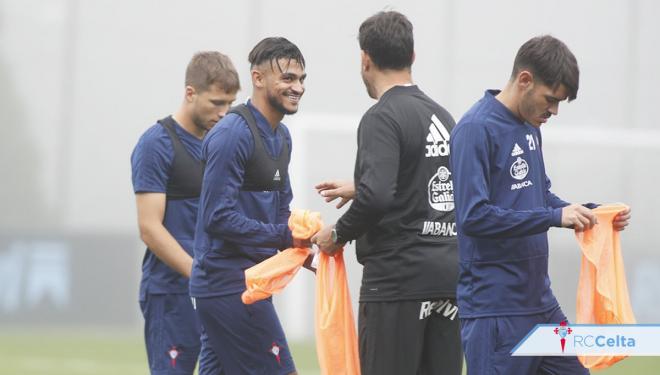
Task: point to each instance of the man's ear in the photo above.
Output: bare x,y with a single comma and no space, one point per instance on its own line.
365,61
257,78
524,80
190,94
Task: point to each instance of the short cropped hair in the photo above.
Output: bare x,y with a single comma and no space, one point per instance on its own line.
273,49
210,67
549,60
387,37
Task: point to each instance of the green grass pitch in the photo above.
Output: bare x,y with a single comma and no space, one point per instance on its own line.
111,353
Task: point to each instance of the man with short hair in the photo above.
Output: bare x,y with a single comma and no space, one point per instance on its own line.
402,214
167,179
504,208
244,211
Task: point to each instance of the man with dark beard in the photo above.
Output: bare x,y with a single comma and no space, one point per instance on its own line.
402,214
243,214
167,179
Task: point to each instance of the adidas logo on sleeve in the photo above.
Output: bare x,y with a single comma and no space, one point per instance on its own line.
438,138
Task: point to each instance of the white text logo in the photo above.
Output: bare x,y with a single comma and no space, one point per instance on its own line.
438,137
516,150
439,228
441,190
519,169
444,307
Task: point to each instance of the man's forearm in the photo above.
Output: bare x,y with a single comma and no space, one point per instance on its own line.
159,240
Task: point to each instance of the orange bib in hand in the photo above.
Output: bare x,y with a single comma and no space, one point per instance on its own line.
602,294
272,275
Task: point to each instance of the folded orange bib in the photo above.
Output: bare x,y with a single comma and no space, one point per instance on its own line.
602,294
336,338
272,275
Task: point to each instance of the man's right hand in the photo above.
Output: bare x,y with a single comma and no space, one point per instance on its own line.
577,217
332,190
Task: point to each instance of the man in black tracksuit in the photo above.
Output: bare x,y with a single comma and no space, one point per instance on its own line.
402,214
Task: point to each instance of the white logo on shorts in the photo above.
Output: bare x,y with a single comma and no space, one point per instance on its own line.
443,306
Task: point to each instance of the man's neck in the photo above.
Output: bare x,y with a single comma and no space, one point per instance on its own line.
272,115
185,120
387,79
509,98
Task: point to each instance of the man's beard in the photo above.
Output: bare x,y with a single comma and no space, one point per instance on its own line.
276,102
370,89
199,122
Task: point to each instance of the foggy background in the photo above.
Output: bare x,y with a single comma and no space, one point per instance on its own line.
81,80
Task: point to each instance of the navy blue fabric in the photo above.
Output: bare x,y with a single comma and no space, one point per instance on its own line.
487,344
245,339
171,328
237,229
209,363
151,161
504,209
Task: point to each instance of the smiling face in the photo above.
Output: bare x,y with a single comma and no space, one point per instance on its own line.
283,82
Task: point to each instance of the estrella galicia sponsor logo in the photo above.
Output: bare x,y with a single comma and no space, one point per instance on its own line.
519,169
439,228
441,190
438,138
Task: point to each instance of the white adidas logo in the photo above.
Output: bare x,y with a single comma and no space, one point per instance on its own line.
277,175
438,137
517,150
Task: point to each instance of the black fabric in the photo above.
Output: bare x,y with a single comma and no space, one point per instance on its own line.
409,337
403,212
263,172
186,172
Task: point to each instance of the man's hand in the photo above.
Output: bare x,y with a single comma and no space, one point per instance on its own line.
621,220
323,239
332,190
578,217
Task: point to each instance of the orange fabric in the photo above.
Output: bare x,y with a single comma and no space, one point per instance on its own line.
272,275
602,294
336,338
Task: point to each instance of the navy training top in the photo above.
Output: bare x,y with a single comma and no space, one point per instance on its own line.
504,209
151,161
237,229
